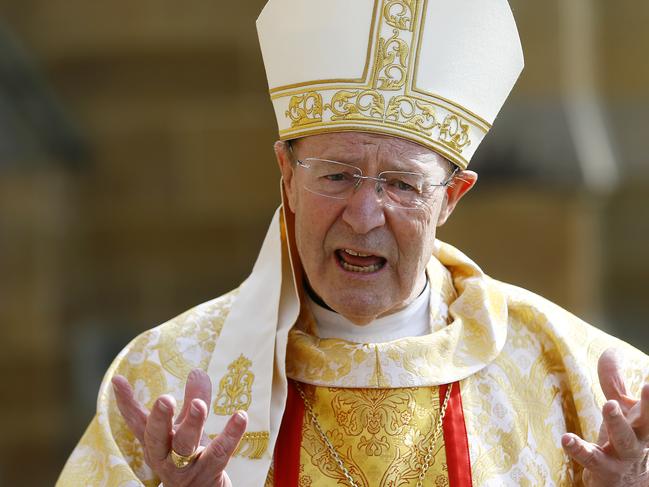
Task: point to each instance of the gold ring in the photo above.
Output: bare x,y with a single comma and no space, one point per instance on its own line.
182,461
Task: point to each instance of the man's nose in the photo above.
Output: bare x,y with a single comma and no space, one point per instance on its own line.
364,210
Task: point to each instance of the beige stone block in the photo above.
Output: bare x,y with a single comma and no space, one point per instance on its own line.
543,240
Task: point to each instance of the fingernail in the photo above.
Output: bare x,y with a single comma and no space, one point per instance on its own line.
570,442
241,417
615,411
163,406
194,411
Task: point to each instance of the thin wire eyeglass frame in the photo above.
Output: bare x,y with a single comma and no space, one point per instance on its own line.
380,179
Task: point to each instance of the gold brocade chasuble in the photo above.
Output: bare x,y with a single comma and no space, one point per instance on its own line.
382,434
525,372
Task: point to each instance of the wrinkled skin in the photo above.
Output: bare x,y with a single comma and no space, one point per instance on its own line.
404,238
158,433
620,457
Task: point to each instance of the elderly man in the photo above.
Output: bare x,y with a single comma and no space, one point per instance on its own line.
361,351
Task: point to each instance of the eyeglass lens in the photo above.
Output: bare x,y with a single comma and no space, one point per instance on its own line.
338,180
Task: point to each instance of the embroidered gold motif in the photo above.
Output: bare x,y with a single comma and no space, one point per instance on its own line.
391,62
401,110
454,133
356,105
235,388
414,114
305,109
402,16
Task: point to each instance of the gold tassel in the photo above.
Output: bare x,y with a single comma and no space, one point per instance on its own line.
253,445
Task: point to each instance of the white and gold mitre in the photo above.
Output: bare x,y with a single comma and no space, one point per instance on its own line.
432,71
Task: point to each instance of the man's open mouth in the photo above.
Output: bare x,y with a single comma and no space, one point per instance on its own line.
354,261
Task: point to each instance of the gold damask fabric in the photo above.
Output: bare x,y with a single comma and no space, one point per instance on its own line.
468,322
382,436
536,379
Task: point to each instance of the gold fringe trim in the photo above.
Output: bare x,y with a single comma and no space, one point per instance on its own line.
253,445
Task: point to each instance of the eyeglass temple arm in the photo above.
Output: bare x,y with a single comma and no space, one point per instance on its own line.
451,176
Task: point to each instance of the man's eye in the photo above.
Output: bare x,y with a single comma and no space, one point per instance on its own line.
337,177
402,185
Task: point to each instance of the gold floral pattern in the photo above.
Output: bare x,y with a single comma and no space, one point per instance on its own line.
305,109
401,110
454,133
235,388
356,105
391,63
400,13
381,435
378,412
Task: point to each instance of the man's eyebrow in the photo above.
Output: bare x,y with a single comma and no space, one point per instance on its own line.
346,156
411,164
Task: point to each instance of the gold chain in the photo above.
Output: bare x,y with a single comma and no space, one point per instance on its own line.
429,451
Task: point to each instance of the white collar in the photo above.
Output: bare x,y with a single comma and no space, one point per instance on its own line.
411,321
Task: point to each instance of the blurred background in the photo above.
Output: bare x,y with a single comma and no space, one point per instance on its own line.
137,179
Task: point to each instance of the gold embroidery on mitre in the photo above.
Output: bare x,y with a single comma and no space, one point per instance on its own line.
402,16
373,101
235,388
253,444
411,113
391,62
369,105
454,133
357,105
305,109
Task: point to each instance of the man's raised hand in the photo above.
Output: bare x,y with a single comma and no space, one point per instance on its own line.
621,455
159,434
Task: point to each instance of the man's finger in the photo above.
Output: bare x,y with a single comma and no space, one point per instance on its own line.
586,454
218,452
620,434
198,386
641,426
132,411
610,376
188,435
157,435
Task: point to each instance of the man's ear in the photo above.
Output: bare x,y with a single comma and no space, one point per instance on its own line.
287,168
458,187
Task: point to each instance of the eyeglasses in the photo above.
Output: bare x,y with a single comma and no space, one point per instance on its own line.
398,189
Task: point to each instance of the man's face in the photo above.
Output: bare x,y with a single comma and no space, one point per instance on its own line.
363,257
